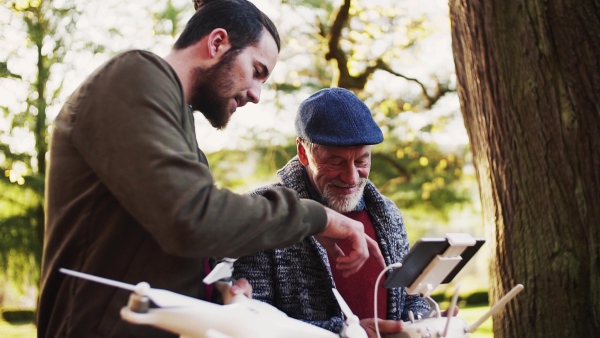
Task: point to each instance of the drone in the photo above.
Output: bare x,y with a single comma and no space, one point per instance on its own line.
430,262
194,318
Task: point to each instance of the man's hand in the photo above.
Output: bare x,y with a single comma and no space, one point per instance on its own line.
341,228
241,288
385,326
445,312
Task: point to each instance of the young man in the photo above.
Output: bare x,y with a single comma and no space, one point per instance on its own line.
130,196
335,132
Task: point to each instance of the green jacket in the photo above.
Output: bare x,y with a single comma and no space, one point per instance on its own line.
130,197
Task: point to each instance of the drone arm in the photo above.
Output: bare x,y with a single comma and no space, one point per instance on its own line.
451,311
97,279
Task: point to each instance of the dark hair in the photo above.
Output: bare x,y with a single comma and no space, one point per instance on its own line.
240,18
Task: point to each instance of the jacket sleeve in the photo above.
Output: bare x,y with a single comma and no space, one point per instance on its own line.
415,303
128,128
258,269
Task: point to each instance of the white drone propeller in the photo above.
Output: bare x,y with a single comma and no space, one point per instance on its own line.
352,328
160,297
222,270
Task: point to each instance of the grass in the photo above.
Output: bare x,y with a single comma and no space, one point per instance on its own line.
471,314
17,330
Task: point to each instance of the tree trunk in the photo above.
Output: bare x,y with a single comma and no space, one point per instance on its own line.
529,85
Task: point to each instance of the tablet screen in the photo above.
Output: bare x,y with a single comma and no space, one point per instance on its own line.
419,257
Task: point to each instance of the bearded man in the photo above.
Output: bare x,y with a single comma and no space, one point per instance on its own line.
129,194
335,133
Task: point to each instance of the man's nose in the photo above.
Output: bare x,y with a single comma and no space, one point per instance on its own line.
350,175
254,92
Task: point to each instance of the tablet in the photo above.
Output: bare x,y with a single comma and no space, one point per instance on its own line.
419,257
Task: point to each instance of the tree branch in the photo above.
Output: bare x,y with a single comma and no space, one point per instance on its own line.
359,82
386,158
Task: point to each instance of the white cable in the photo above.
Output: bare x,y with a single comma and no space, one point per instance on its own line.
391,266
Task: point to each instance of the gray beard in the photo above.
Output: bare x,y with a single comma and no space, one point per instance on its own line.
343,204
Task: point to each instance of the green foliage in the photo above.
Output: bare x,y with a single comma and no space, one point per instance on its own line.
50,28
417,175
18,316
412,171
5,72
471,314
470,299
21,218
167,21
348,45
477,298
21,330
50,36
438,297
20,238
22,221
240,170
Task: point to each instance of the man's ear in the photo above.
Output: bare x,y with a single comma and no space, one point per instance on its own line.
218,43
301,152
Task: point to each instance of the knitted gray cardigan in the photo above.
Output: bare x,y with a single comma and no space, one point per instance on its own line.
298,280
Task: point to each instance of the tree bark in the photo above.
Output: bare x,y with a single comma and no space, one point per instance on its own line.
529,86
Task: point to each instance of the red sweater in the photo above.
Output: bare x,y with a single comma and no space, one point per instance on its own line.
357,289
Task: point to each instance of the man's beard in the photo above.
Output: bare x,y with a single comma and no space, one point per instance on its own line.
208,88
343,203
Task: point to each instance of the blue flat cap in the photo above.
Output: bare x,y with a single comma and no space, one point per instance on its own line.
336,117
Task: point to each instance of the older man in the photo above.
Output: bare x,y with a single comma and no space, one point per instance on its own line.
335,132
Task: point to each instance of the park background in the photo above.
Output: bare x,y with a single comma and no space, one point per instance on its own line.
395,55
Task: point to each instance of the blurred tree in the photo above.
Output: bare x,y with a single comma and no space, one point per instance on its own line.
417,175
35,71
369,48
365,46
46,25
528,76
348,44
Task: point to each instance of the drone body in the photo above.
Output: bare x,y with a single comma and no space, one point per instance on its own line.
432,328
247,318
239,320
194,318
